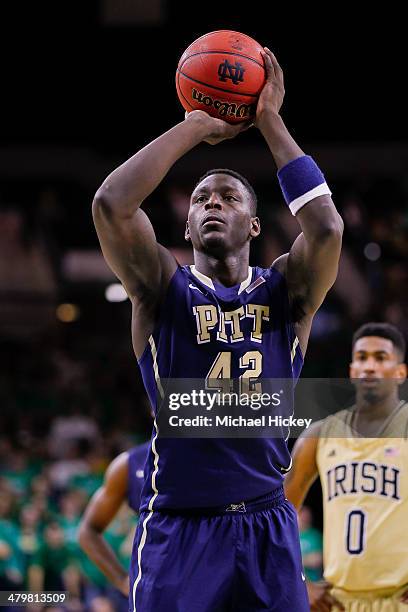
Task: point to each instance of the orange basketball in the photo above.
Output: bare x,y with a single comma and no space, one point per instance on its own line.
221,73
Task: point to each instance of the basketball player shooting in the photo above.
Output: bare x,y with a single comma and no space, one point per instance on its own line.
215,531
361,456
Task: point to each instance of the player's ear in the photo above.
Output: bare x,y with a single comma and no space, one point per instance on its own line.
401,373
255,227
353,375
187,236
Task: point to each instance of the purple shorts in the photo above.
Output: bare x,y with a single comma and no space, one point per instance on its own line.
241,558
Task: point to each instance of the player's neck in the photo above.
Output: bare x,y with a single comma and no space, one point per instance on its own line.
229,271
376,409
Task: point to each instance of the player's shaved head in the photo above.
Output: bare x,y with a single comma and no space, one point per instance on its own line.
239,177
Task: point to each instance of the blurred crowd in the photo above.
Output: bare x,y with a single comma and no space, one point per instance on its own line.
70,390
58,434
65,415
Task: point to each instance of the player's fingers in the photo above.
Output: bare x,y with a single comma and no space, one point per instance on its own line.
276,67
404,596
270,71
332,601
237,128
246,125
321,606
274,61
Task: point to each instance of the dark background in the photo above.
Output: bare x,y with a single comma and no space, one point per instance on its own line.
101,73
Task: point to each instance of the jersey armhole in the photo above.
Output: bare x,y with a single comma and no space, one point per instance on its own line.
162,310
296,351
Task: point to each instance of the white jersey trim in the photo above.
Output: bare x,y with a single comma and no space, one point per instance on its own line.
246,282
206,280
148,517
294,347
155,366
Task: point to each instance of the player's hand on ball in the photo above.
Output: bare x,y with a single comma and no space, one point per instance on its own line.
217,129
320,598
273,92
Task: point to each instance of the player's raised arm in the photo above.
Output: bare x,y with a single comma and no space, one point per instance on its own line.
304,467
126,235
100,511
311,266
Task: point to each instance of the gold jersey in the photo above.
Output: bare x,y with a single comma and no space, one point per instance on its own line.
365,503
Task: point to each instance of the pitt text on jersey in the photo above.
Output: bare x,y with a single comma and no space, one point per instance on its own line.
225,326
208,317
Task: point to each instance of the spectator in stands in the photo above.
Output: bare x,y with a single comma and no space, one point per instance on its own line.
29,537
53,567
11,570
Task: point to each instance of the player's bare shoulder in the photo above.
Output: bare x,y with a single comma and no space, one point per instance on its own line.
314,431
131,250
143,266
146,308
398,425
117,472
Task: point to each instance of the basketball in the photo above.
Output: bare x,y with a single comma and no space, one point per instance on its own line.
221,73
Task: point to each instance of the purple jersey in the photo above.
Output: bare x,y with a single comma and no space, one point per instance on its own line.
136,464
199,320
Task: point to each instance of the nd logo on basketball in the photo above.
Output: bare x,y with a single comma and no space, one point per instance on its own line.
235,72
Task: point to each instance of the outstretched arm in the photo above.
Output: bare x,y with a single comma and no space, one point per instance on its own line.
100,511
127,238
311,265
304,467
